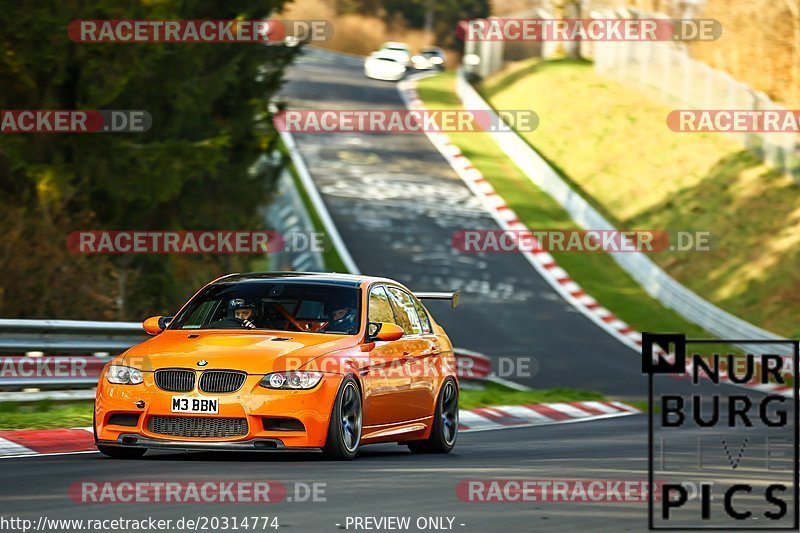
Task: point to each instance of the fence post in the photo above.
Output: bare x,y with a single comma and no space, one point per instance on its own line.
708,86
644,57
687,81
793,159
666,68
767,149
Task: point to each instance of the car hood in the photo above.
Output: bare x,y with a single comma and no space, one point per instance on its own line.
252,352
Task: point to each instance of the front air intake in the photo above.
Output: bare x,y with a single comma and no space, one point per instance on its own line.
194,426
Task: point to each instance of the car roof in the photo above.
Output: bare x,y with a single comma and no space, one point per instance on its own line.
326,278
385,54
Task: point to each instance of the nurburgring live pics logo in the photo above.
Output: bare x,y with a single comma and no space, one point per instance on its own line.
738,443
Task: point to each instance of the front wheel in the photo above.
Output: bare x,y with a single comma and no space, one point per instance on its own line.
118,452
445,423
344,429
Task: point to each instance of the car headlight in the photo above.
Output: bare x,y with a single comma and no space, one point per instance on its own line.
124,375
436,60
298,380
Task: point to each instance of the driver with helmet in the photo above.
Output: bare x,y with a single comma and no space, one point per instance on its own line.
342,317
243,311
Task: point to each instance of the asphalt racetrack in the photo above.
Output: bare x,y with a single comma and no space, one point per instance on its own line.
397,203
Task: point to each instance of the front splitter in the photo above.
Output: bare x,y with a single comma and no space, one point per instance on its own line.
133,440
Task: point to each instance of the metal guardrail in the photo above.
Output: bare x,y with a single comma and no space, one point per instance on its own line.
67,336
655,281
320,54
58,355
317,203
287,215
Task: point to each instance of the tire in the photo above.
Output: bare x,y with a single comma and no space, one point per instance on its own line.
444,431
118,452
344,429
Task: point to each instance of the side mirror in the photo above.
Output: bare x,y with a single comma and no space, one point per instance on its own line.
156,324
383,331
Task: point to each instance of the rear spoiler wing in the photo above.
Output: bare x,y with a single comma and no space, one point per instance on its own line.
454,296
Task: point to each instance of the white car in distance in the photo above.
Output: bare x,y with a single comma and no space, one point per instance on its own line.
400,51
384,66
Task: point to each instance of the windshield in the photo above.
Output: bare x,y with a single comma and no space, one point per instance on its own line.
276,305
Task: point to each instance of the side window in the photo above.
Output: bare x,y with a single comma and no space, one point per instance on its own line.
405,311
423,316
380,310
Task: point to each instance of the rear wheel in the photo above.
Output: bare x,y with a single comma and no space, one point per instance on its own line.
344,429
445,423
118,452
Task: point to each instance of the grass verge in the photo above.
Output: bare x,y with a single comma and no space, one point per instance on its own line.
495,394
596,273
45,414
611,142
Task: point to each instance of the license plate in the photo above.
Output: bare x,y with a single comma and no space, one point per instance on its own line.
193,404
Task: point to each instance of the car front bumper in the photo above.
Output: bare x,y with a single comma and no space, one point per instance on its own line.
259,406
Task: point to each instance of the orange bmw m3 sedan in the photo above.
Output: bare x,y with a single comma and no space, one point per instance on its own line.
285,361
